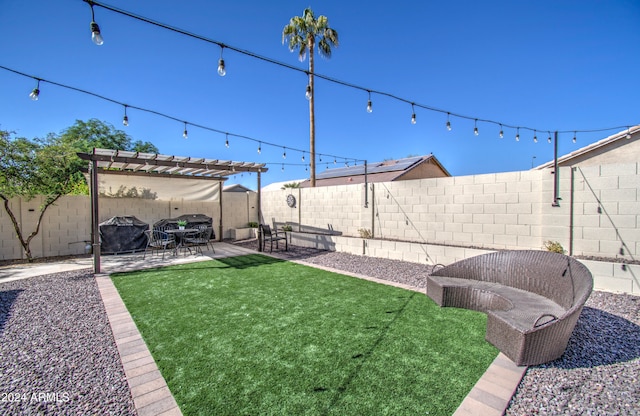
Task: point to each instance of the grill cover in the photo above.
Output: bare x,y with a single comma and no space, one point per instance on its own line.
191,219
122,235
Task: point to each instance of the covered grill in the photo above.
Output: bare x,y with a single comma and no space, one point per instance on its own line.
123,235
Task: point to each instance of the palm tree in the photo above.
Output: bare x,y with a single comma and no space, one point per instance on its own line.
302,34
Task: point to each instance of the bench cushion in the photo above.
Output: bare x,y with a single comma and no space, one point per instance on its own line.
518,308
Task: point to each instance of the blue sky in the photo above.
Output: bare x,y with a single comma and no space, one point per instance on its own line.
548,65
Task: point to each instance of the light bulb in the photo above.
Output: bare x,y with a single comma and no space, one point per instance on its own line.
628,134
448,125
308,92
549,139
125,120
259,148
226,143
575,139
475,127
369,107
96,37
518,135
413,118
303,157
184,134
221,70
535,138
35,94
501,132
284,154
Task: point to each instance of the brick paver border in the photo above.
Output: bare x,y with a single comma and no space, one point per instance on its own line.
150,393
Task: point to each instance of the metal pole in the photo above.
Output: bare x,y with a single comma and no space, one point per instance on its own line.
366,186
259,213
95,230
556,173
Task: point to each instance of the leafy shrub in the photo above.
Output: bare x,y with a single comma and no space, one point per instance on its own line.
554,247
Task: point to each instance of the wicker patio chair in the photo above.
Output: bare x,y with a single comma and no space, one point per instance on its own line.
532,299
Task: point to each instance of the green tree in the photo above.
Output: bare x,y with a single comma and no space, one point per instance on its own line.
302,34
85,135
51,167
34,167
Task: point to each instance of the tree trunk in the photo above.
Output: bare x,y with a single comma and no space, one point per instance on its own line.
312,118
26,243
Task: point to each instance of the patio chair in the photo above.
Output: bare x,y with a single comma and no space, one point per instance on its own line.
271,236
159,240
199,239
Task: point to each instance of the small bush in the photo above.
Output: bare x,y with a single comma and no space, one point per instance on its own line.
554,247
253,224
287,228
365,233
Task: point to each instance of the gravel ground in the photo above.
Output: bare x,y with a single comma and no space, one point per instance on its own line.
599,372
56,342
57,352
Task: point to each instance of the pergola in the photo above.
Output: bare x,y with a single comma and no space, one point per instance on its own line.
114,162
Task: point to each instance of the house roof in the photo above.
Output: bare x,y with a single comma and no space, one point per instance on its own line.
236,188
385,171
566,159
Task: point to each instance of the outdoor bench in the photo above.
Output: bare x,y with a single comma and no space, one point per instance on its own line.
532,299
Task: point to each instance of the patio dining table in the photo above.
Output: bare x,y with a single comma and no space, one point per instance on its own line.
180,233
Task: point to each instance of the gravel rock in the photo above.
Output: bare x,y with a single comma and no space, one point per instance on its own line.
57,352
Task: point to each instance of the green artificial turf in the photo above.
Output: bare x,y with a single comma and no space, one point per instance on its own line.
252,335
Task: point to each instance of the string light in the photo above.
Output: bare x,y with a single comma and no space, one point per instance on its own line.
575,139
184,133
307,94
283,167
157,113
518,135
35,93
284,153
413,115
475,127
96,37
226,141
501,134
303,156
448,122
628,133
549,138
294,68
125,119
369,104
535,137
259,147
221,69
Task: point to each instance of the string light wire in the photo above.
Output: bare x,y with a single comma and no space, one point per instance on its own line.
328,78
170,117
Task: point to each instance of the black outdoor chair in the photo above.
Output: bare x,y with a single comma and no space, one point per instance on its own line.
201,238
271,236
159,240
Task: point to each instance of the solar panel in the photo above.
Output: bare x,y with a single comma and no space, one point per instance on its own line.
378,167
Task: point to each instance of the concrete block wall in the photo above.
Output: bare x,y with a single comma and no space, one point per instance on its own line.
66,225
239,209
607,211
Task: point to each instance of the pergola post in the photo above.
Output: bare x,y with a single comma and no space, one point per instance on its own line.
95,230
259,213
